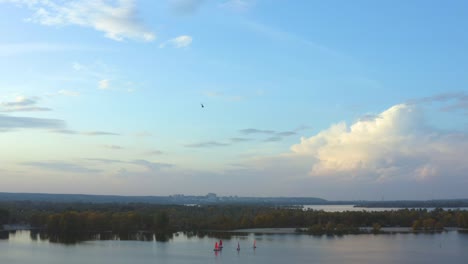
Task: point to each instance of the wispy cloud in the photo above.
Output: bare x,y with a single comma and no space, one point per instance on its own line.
452,101
148,165
238,5
14,122
86,133
178,42
61,166
112,147
100,133
185,7
273,139
273,135
117,19
286,133
249,131
22,104
103,84
151,166
238,139
154,152
106,161
207,144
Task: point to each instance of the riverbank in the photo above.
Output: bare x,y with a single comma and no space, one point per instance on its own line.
363,230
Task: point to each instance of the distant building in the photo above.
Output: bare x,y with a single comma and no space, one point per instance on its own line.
212,197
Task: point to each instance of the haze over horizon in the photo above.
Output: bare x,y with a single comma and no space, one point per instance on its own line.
340,100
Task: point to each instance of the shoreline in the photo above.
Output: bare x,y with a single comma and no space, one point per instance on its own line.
363,230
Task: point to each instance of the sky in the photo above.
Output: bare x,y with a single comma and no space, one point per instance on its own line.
342,100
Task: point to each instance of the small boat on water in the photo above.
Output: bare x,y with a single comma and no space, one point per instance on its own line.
238,246
220,244
216,247
255,244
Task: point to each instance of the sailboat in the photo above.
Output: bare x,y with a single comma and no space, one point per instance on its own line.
216,248
238,246
255,244
220,244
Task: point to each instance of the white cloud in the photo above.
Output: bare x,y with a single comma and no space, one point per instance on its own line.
178,42
77,66
103,84
396,144
117,19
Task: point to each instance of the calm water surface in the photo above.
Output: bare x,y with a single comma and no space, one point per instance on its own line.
343,208
448,247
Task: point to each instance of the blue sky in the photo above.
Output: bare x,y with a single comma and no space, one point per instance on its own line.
335,99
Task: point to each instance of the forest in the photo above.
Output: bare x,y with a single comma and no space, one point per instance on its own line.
81,221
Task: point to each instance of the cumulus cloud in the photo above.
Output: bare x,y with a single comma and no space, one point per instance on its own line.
396,144
178,42
117,19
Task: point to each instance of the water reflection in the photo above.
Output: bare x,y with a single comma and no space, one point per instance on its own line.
449,247
4,235
74,238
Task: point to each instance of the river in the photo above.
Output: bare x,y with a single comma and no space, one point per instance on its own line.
351,208
447,247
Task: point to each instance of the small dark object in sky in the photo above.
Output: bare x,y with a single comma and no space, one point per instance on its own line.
202,106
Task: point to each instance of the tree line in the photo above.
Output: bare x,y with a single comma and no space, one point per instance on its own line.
124,220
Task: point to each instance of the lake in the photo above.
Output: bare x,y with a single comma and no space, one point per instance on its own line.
447,247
